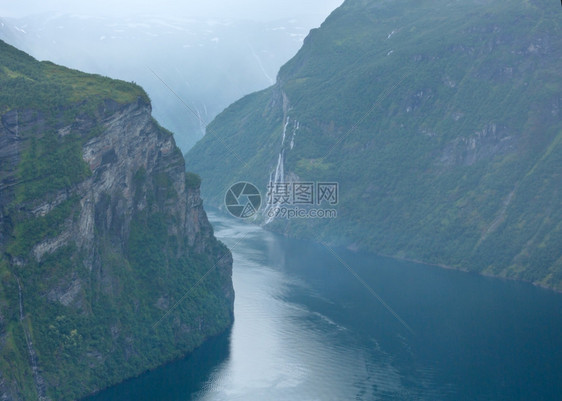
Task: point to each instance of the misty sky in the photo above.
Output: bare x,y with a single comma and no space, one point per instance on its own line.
250,9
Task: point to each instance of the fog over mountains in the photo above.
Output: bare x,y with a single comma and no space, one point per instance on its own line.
207,62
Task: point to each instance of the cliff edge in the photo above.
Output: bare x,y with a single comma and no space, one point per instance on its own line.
108,265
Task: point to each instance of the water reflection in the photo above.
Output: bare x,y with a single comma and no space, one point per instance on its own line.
175,381
306,329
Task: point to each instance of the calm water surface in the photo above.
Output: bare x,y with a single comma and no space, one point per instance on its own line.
307,329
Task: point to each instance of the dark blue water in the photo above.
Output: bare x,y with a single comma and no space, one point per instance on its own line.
308,329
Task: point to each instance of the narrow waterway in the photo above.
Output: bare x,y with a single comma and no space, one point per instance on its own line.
308,329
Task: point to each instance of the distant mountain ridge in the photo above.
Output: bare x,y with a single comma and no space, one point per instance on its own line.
440,120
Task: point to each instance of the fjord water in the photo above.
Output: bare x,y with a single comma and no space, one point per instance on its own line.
307,329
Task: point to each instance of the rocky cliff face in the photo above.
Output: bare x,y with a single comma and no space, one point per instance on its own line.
109,265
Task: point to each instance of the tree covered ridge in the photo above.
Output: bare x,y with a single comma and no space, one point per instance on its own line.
441,120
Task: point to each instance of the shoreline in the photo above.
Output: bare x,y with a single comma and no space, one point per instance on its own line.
186,355
354,248
447,267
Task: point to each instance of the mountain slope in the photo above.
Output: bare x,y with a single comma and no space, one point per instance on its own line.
101,234
440,120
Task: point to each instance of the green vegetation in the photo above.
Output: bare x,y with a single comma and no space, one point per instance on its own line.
28,232
43,86
440,120
192,180
50,164
97,310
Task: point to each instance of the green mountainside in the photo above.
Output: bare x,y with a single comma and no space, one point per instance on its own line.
108,264
441,121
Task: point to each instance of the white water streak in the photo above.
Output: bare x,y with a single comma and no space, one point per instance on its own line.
295,129
278,175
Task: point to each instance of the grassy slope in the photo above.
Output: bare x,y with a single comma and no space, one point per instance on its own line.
457,163
44,86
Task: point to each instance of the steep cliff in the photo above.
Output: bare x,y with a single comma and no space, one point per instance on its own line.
440,120
109,266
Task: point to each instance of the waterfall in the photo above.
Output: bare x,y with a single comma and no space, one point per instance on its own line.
260,65
202,124
295,129
277,176
21,299
285,132
40,385
280,169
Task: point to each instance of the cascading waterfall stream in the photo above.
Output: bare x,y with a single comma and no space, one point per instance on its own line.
278,175
295,129
39,382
